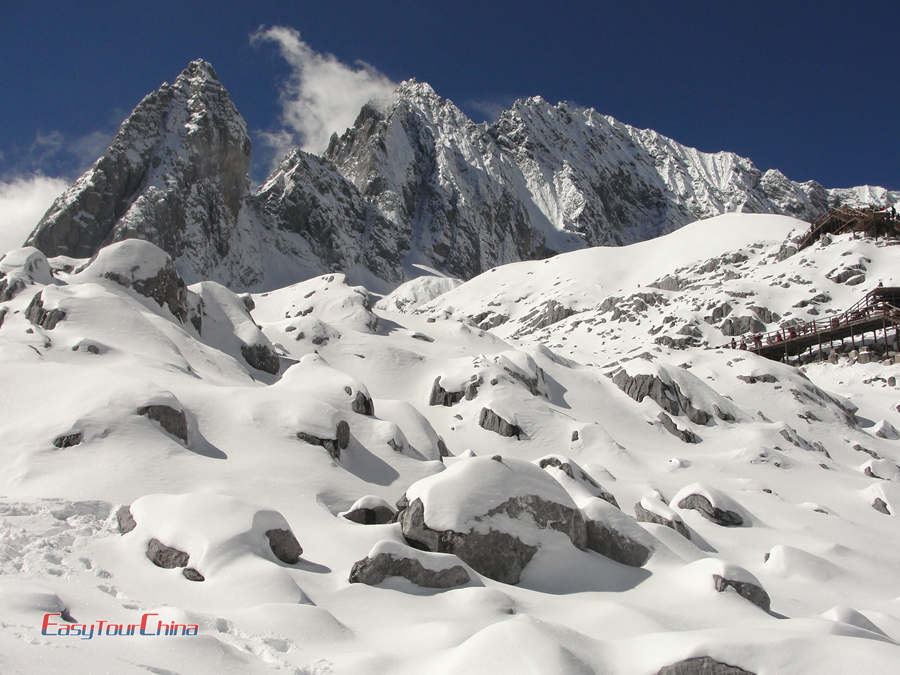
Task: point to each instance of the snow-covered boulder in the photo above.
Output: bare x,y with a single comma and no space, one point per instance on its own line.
717,575
370,510
674,390
615,534
577,482
410,294
22,267
144,268
652,509
392,559
211,535
493,513
224,322
712,504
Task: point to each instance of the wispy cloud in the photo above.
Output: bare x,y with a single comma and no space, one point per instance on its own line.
22,203
323,95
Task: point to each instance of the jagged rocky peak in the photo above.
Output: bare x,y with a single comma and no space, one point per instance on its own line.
175,174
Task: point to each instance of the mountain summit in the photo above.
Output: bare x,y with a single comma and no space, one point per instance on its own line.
416,184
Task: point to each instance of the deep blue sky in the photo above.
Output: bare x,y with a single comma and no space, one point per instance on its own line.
811,88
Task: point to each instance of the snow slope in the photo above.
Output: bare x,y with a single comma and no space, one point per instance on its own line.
118,400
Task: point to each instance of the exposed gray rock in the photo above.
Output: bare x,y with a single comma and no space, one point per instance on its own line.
68,440
669,425
9,288
261,357
739,325
440,396
880,505
192,575
765,314
165,556
578,474
39,316
333,446
719,516
378,515
125,520
702,665
166,287
645,516
172,420
753,379
546,314
491,421
607,540
751,592
362,404
373,571
3,311
498,555
284,545
667,395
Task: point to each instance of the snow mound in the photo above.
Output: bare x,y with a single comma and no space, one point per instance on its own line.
409,295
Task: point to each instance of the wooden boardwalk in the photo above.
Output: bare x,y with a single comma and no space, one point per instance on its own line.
878,311
872,221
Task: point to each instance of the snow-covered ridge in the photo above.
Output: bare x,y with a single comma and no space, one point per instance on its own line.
413,184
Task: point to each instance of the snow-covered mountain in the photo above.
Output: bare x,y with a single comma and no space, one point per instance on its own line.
552,467
416,184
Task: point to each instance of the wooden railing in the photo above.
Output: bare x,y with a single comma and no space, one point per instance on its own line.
865,311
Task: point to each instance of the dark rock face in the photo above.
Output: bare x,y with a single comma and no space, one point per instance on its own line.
440,396
375,516
175,174
166,287
261,357
753,379
362,404
739,325
173,421
615,545
3,311
497,555
333,446
39,316
125,520
645,516
9,288
880,505
751,592
722,517
191,574
284,546
373,571
685,435
702,665
669,397
67,440
491,421
165,556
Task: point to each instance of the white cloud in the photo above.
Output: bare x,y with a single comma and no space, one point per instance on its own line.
22,203
322,95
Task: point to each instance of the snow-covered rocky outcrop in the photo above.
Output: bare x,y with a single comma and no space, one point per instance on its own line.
414,185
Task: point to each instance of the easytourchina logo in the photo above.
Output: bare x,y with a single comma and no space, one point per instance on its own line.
148,627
